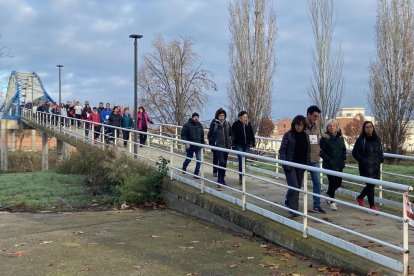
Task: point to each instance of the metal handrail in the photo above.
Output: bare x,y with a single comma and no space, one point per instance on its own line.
396,186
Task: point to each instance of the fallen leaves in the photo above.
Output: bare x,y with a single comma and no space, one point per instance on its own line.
20,244
230,252
46,242
186,247
78,232
233,265
17,254
154,236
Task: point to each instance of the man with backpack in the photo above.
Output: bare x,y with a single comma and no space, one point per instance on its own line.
219,135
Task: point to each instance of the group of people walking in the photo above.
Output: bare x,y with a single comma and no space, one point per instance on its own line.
221,134
96,117
304,144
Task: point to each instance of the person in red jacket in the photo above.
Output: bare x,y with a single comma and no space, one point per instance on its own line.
142,124
95,119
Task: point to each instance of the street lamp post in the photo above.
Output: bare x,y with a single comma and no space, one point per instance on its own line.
60,84
135,37
32,89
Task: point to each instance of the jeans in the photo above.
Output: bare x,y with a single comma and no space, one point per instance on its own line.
316,180
189,153
243,148
294,178
143,137
215,161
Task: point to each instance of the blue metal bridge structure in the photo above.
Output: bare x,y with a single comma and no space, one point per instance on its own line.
24,89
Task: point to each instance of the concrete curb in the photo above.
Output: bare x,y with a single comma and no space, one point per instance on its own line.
189,200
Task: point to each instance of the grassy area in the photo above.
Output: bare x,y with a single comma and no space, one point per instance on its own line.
35,191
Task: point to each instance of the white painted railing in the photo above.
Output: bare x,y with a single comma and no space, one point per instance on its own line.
247,197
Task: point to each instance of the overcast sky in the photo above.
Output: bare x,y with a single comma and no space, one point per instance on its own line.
90,38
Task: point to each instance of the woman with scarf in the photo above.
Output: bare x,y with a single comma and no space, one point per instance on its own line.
142,125
295,148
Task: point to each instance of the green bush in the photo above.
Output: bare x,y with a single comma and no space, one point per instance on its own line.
116,174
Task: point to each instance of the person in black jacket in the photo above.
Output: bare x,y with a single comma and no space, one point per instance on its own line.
333,153
115,121
193,131
219,135
295,148
369,154
243,137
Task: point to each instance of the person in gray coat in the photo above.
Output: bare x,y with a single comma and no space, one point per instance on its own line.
193,131
219,135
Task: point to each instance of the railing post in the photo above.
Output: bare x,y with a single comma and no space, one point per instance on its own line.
103,136
277,164
160,129
115,130
305,204
171,159
243,183
176,137
405,235
320,174
130,141
84,131
202,170
380,186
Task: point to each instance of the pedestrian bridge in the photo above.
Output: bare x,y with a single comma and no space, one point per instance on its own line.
380,237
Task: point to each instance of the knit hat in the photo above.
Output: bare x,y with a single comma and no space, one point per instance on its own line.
195,114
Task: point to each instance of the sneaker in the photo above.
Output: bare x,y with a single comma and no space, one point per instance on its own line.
360,201
333,206
214,174
318,210
373,208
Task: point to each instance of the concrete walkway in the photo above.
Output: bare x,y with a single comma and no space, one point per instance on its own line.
136,242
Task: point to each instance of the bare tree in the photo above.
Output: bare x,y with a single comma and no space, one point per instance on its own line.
326,88
252,59
173,82
353,129
392,72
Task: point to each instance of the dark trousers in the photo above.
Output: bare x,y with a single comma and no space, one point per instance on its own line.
96,132
125,136
143,137
215,161
222,162
78,116
334,183
243,148
369,191
294,178
87,127
189,154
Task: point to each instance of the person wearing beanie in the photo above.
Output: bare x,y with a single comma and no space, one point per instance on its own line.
219,135
193,131
243,137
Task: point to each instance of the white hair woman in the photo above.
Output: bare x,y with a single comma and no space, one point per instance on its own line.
333,153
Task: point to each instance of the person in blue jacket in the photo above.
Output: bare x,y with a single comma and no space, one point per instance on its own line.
105,113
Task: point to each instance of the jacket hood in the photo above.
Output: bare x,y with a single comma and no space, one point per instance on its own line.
220,111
